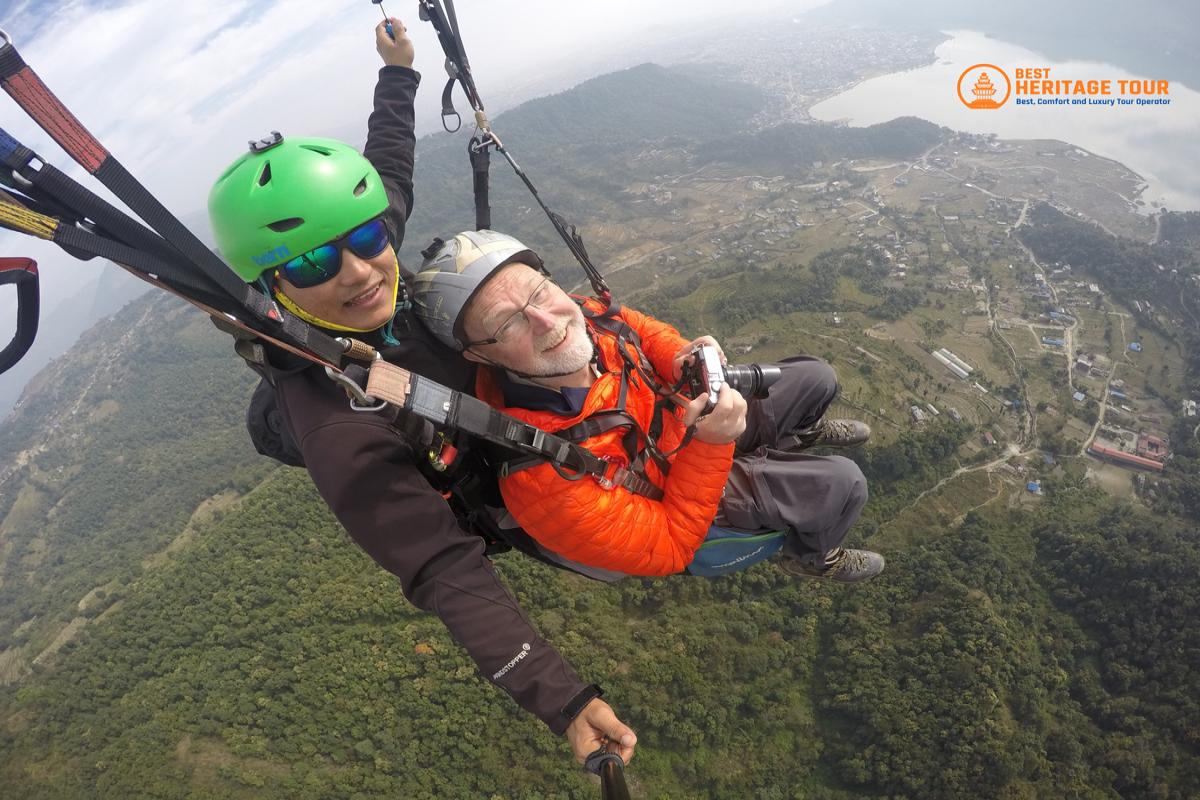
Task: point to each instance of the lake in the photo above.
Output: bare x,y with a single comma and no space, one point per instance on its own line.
1161,143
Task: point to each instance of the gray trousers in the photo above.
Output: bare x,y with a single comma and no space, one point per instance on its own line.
815,498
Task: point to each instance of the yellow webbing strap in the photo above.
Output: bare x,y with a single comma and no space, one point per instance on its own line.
17,217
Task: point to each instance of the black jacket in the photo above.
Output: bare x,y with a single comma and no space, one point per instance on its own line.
366,470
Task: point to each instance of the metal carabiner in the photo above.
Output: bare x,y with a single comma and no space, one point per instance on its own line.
359,399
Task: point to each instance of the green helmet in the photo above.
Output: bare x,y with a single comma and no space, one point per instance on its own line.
453,272
284,198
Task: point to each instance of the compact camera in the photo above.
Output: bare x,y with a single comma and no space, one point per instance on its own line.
705,373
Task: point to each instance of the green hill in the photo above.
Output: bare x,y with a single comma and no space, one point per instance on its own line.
580,148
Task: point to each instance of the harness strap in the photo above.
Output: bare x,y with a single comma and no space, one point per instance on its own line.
480,163
614,477
448,107
52,187
445,406
28,90
596,424
608,322
445,23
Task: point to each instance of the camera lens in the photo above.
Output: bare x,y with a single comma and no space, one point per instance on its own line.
751,380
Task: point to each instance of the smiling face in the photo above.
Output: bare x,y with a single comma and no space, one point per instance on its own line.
360,296
546,339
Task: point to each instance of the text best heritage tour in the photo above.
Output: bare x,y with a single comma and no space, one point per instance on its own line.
1037,80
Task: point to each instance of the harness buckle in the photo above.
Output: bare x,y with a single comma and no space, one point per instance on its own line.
359,399
614,473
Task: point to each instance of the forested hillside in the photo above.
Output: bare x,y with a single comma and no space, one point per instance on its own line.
180,618
792,149
120,441
580,148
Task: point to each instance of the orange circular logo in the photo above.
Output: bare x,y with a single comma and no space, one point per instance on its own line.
983,82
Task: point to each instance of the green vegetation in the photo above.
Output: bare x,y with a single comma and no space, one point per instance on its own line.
138,439
272,659
1131,270
791,149
1181,228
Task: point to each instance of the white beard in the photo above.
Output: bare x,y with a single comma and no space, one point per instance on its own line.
572,358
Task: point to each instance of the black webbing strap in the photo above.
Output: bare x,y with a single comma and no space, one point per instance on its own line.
480,163
23,274
445,23
608,322
596,424
28,90
444,406
448,111
131,192
74,238
51,185
624,478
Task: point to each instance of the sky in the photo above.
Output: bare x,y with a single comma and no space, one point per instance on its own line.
175,90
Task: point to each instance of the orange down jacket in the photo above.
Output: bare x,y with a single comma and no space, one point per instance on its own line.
614,528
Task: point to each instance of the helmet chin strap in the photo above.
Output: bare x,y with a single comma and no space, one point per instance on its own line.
291,306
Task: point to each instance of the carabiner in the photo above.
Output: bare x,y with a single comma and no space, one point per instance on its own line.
359,399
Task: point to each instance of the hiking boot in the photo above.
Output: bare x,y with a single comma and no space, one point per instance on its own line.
845,566
829,433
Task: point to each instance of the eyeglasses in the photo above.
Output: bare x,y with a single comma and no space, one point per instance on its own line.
539,298
322,263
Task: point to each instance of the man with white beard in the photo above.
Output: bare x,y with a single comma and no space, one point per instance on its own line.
605,379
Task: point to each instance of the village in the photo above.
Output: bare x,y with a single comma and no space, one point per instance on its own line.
1039,359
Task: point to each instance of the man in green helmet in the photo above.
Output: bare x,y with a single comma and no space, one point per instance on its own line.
316,225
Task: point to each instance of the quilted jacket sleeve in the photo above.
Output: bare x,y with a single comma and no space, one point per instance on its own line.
616,529
660,341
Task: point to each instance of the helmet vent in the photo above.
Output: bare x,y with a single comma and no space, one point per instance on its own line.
264,177
285,225
316,148
362,186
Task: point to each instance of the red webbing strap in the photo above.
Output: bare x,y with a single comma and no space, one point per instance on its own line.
25,87
44,108
20,81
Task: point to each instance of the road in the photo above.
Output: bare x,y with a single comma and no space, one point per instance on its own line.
1010,452
1107,384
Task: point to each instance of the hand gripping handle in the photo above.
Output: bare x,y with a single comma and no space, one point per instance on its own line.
611,770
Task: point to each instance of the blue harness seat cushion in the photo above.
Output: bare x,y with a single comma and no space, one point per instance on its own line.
727,550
